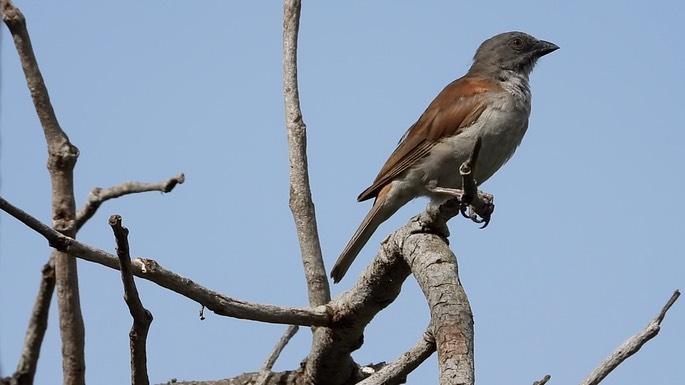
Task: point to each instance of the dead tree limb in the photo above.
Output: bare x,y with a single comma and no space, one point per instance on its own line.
630,346
149,269
397,371
142,318
98,195
301,203
265,373
38,324
62,156
435,268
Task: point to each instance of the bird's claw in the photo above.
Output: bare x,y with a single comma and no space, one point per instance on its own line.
479,211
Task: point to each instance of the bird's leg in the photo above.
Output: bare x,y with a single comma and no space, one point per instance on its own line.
453,192
474,203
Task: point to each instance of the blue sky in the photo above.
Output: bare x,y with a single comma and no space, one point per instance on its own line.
586,243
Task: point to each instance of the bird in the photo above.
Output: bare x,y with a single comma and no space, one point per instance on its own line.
491,102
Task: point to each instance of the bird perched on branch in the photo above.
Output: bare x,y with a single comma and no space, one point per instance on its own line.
492,101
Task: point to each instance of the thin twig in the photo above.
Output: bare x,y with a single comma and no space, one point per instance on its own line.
543,381
142,318
98,195
301,204
152,271
38,324
398,370
271,360
46,231
630,346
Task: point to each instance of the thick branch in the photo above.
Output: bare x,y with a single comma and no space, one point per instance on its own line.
152,271
62,157
435,268
630,346
142,318
329,360
301,203
98,195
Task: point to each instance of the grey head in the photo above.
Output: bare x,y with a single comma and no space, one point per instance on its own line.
510,51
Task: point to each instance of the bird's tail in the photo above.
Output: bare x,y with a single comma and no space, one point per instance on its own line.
378,214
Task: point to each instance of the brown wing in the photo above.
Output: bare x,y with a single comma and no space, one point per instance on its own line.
458,106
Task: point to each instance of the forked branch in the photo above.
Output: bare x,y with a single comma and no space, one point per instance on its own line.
62,156
148,269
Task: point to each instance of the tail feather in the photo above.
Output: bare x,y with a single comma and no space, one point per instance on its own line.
378,214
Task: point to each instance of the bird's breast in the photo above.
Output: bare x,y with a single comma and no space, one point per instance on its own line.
501,128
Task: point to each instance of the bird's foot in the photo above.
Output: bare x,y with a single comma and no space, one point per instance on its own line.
479,208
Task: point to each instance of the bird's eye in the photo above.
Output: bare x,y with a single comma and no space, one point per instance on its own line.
517,43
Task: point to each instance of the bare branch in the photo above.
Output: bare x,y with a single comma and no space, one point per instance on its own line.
329,360
416,245
142,318
276,378
301,203
630,346
435,268
543,381
98,195
46,231
38,324
265,373
397,371
62,157
152,271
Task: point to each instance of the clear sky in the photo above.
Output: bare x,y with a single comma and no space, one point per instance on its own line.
586,243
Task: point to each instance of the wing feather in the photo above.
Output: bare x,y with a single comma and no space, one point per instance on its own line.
457,107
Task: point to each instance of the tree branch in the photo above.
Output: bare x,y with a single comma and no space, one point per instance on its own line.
435,268
62,157
630,346
98,195
149,269
543,381
39,317
142,318
301,203
397,371
329,360
38,324
265,373
416,245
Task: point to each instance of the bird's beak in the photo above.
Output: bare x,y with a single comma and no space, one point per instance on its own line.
542,48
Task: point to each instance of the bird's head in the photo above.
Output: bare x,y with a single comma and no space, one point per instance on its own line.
510,51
